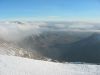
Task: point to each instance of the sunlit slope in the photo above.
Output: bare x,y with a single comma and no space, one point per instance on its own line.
11,65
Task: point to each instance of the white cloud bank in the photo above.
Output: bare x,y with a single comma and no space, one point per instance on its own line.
14,30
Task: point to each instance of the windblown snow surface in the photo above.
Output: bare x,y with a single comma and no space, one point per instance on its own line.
12,65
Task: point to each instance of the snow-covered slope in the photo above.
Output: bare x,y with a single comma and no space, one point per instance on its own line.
12,65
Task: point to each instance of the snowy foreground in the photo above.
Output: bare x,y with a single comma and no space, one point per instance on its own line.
12,65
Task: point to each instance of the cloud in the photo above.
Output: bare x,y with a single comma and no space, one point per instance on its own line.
15,30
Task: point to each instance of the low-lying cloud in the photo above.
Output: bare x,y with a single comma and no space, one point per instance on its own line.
16,30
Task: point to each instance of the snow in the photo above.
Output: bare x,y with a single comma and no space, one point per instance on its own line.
12,65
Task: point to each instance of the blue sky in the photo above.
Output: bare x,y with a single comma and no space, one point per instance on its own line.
50,9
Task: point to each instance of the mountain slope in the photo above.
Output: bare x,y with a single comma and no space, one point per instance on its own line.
85,50
66,47
11,65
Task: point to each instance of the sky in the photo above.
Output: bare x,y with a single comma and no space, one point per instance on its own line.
50,10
